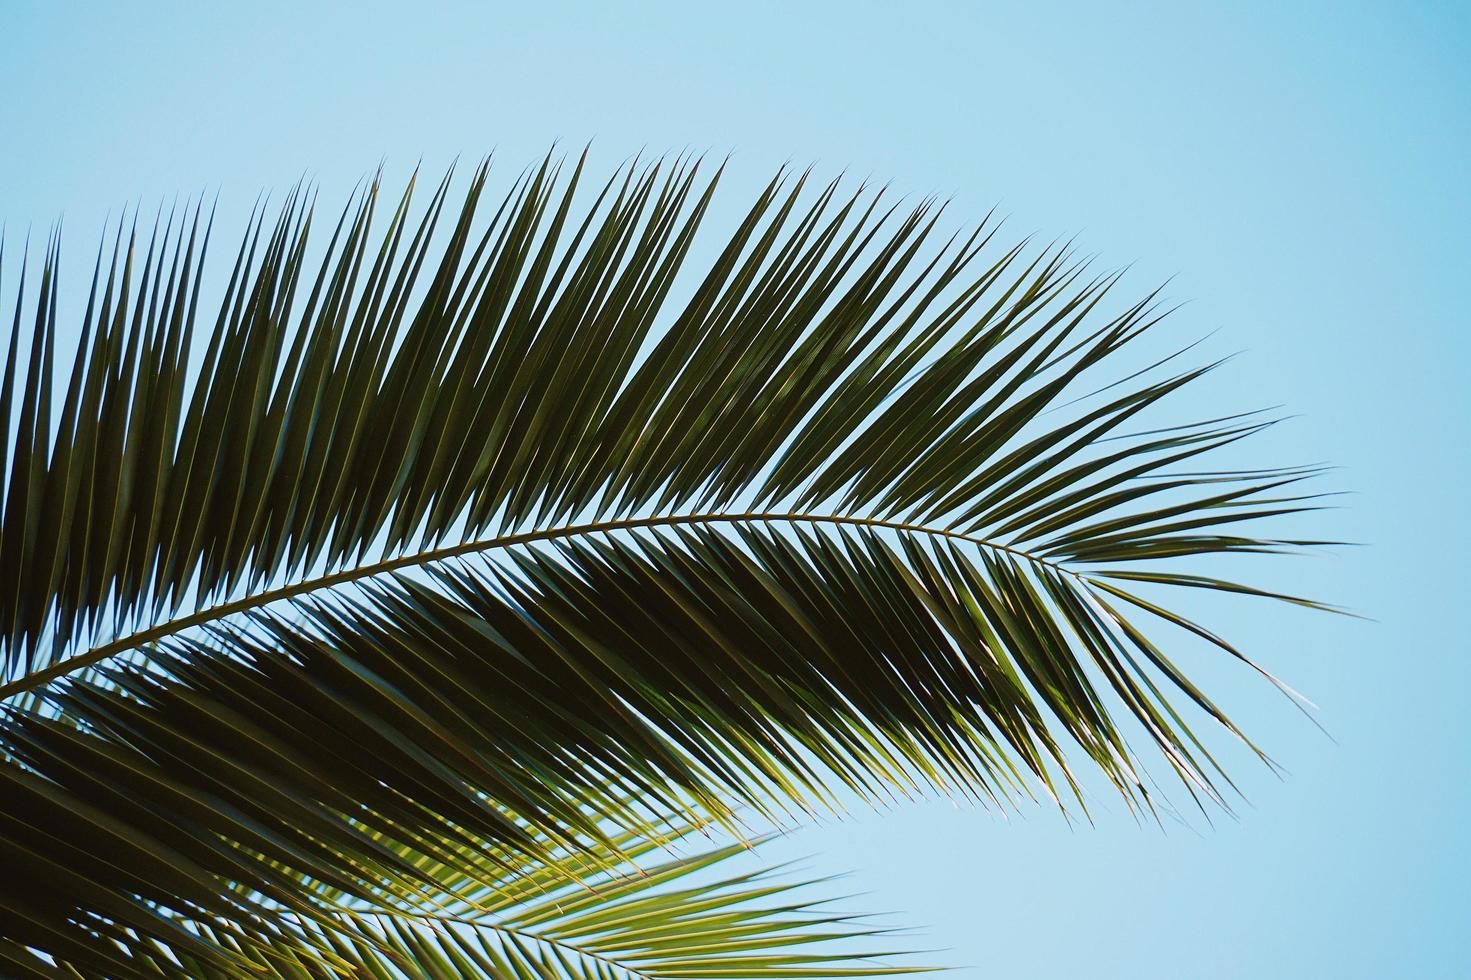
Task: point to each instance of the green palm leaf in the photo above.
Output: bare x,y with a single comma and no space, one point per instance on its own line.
465,545
602,913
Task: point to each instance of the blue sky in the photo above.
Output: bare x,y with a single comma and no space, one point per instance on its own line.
1300,170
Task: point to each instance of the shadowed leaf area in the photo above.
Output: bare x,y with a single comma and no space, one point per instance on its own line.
398,605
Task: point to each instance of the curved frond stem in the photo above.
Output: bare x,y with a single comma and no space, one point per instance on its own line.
223,610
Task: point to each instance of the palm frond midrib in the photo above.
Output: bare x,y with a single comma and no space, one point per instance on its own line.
307,586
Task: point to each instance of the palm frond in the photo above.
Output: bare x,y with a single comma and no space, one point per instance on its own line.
602,913
467,543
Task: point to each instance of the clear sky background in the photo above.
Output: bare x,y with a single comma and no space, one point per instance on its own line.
1301,170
